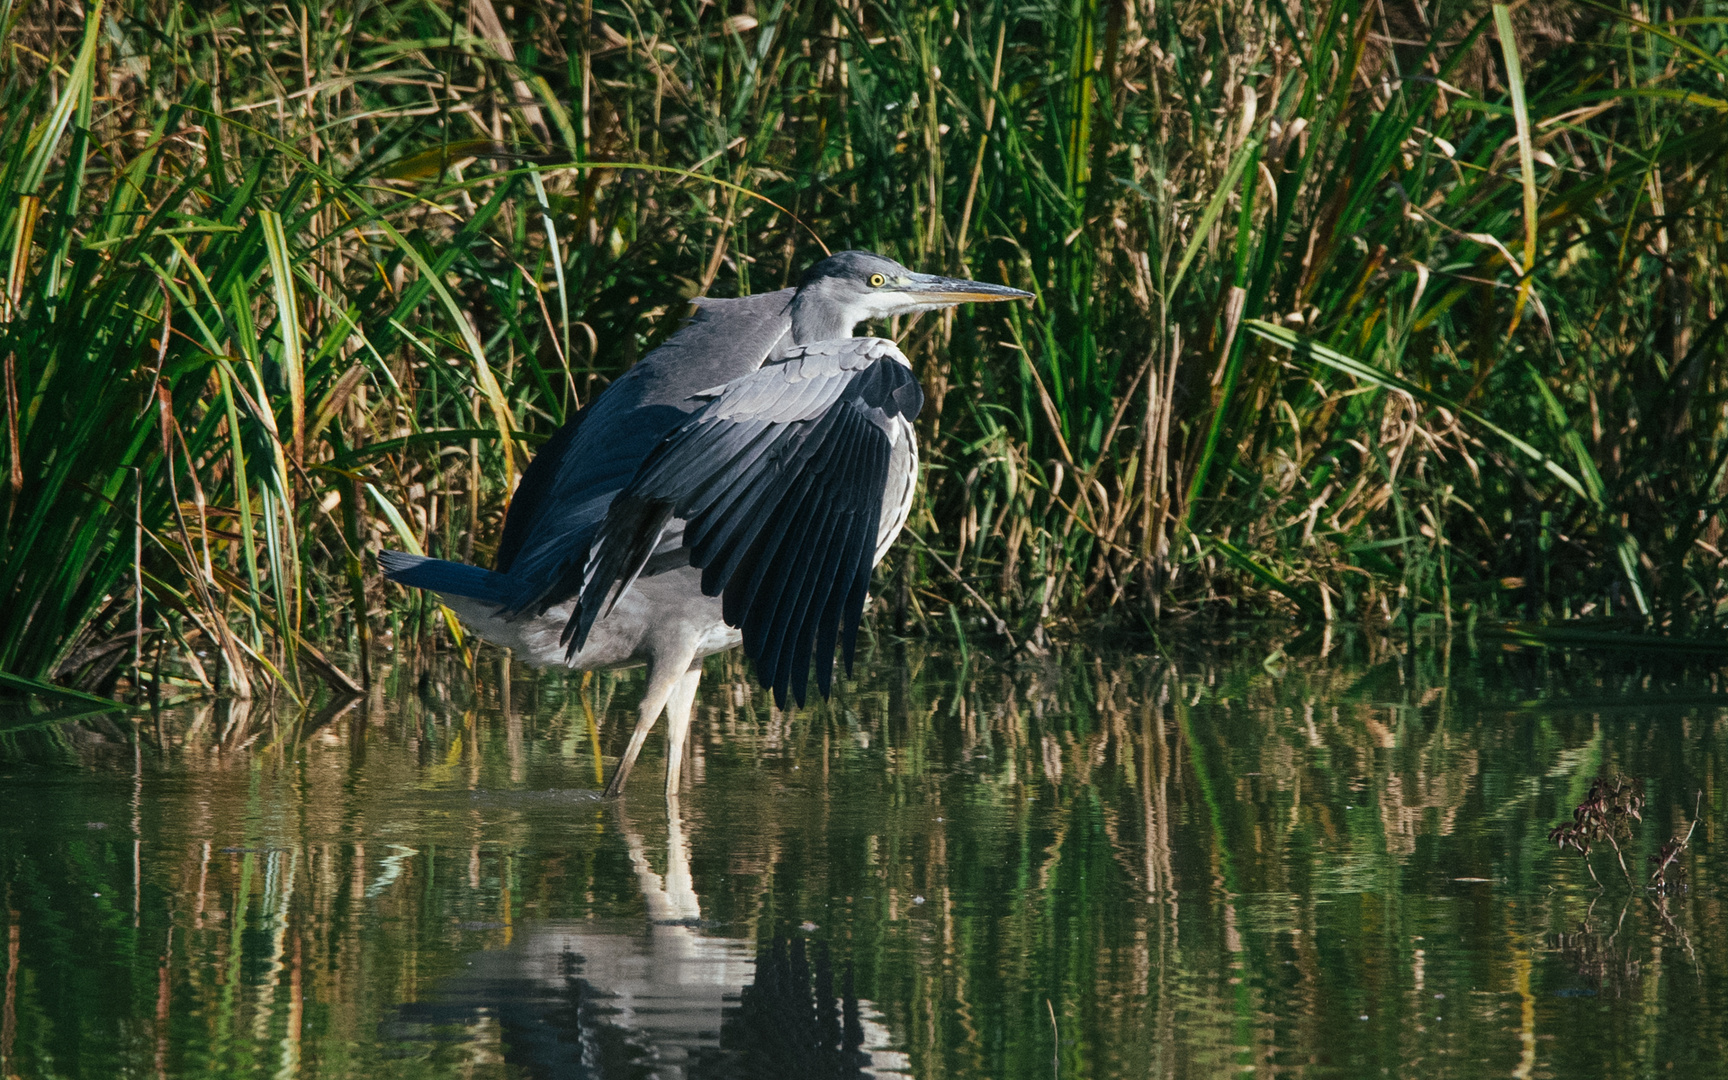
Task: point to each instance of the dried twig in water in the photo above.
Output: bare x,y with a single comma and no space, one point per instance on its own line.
1604,815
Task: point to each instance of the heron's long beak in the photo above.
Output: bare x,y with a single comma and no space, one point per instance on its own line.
942,291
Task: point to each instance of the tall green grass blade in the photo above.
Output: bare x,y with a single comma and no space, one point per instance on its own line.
1209,217
1302,598
489,389
409,541
45,140
53,690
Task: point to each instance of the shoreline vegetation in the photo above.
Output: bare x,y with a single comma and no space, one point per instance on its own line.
1398,313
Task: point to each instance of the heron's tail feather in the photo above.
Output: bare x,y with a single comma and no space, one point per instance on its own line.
449,578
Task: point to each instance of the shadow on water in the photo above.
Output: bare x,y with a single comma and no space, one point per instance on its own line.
1321,857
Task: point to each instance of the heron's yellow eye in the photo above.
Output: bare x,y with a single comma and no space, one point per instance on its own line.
877,281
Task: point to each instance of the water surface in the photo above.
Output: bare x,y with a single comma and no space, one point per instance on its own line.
1326,860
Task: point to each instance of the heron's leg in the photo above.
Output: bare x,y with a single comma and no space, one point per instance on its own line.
678,708
664,675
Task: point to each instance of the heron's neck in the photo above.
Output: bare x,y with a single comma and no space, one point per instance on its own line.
818,318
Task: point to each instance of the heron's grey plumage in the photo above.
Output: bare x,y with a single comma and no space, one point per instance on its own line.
725,340
737,485
778,483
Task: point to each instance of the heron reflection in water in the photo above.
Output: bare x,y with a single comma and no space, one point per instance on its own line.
580,999
737,486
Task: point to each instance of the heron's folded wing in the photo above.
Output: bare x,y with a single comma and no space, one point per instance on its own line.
779,481
531,495
567,486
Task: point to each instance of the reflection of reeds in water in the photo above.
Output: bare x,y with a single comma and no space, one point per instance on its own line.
1200,863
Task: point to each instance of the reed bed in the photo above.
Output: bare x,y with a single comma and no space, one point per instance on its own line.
1402,311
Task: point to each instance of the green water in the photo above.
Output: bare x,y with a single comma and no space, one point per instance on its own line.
1229,861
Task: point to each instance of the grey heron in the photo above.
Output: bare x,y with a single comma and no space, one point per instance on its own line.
736,486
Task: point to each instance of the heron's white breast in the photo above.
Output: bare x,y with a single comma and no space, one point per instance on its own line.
902,485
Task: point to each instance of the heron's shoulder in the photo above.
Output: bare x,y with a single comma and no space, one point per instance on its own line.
761,305
725,338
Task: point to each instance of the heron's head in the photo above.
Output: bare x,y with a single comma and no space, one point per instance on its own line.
851,287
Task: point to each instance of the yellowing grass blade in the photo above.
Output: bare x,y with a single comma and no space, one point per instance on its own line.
1526,153
288,322
24,229
436,162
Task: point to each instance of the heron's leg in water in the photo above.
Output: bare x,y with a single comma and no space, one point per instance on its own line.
664,675
678,708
